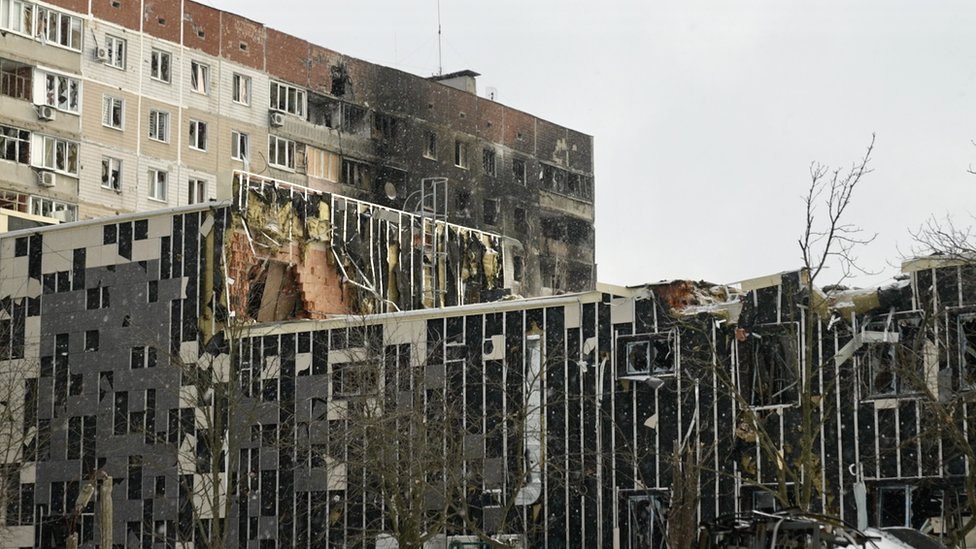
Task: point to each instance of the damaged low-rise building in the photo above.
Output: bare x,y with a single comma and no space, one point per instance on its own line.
299,368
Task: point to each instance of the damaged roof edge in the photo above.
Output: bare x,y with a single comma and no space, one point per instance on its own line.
202,207
294,326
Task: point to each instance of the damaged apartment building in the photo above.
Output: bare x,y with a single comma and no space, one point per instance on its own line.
111,107
248,369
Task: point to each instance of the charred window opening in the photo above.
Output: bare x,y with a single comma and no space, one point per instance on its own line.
353,379
463,203
430,145
340,80
353,119
518,170
647,516
518,268
384,126
894,506
323,111
646,354
491,210
355,173
521,222
550,275
566,183
566,229
889,360
768,365
967,351
488,162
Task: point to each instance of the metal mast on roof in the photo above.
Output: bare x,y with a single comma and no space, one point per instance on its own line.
440,58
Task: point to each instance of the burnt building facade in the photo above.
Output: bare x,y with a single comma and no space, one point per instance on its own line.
196,398
116,107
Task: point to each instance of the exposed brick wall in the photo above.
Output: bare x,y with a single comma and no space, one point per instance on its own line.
126,14
235,30
286,57
201,28
161,18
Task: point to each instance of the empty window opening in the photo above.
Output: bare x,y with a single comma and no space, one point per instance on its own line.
491,210
460,154
488,161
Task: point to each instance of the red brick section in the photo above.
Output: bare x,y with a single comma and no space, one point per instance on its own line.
127,14
161,18
201,28
236,30
78,6
548,147
518,123
321,61
580,151
286,56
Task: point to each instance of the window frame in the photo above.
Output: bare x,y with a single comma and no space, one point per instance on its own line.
196,186
48,155
41,19
430,145
241,89
106,181
51,90
107,108
294,103
274,151
238,138
460,154
117,49
198,135
158,179
23,137
489,162
157,66
161,116
199,77
38,203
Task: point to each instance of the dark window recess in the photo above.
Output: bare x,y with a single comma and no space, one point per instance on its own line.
384,126
488,162
110,234
518,268
121,413
645,354
430,145
355,173
518,170
20,247
142,229
463,203
134,481
767,366
137,357
152,292
491,211
353,379
340,79
125,240
49,283
521,223
91,340
97,298
78,269
563,182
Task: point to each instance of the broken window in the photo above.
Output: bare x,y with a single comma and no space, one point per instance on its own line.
888,357
768,364
199,77
15,144
240,146
15,79
112,174
518,170
647,515
198,135
488,161
895,506
287,99
158,182
355,173
460,154
241,89
46,207
561,181
967,351
97,298
384,126
57,154
323,111
491,208
430,145
550,275
646,354
58,28
159,65
353,119
159,125
340,80
91,340
115,47
354,379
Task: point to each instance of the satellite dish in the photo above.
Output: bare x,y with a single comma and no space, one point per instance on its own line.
492,93
390,190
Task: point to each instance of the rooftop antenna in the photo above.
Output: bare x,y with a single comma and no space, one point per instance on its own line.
440,58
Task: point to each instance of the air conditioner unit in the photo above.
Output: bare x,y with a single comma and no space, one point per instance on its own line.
101,55
45,112
276,119
61,215
46,178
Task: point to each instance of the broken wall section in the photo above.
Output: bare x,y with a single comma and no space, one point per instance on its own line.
299,253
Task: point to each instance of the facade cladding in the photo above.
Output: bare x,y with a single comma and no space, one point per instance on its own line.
548,421
117,106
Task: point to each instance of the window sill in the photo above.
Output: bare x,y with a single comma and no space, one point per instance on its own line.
282,168
160,80
160,200
430,157
116,128
157,140
116,191
192,148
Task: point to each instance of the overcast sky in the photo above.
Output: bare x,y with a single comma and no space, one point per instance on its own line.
707,115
